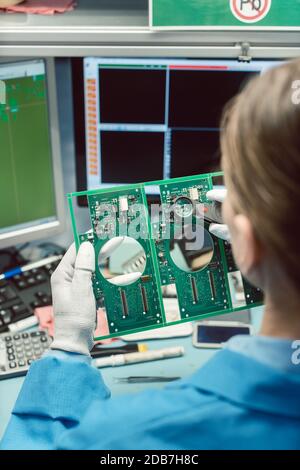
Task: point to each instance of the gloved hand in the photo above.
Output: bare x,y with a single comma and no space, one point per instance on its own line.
219,230
74,303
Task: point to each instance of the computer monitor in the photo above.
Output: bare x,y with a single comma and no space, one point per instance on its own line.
31,190
138,120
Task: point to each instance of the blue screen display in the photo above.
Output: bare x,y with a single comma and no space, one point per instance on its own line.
219,334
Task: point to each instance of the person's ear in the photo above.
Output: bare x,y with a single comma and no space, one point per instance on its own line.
247,248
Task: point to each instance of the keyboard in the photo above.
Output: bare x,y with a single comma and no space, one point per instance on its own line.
21,294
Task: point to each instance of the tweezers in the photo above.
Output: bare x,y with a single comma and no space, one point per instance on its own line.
144,379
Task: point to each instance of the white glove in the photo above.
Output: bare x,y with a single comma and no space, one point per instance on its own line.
219,230
74,303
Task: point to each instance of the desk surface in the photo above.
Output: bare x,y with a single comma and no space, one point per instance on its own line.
179,367
175,367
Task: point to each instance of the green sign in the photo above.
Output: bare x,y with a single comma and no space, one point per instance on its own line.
225,14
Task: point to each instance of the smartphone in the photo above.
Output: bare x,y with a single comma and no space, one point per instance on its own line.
212,334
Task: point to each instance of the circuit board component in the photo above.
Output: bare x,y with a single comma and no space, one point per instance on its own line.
138,255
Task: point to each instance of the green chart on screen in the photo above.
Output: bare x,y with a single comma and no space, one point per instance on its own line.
25,153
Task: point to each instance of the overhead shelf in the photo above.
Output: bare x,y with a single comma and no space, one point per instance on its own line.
103,27
87,13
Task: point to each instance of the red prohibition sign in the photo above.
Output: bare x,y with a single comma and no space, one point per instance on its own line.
261,13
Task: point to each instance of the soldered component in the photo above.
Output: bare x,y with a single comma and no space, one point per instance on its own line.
212,285
144,298
194,290
194,195
90,235
123,204
124,303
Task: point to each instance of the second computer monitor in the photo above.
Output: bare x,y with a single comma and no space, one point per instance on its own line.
31,188
138,120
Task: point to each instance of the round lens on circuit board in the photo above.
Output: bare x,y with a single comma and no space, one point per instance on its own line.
122,260
191,249
183,207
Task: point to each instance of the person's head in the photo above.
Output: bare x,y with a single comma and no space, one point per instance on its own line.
260,144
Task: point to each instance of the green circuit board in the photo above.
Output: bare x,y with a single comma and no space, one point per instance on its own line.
159,247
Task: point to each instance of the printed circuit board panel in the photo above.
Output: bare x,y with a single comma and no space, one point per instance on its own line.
142,249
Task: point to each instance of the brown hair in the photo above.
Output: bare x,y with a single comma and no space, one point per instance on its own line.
260,143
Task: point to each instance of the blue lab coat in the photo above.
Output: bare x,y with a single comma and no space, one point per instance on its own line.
232,402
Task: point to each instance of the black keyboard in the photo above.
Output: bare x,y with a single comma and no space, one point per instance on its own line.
21,294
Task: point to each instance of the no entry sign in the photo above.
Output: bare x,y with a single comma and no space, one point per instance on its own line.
250,11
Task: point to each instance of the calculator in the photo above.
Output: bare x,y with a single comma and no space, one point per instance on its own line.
18,351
